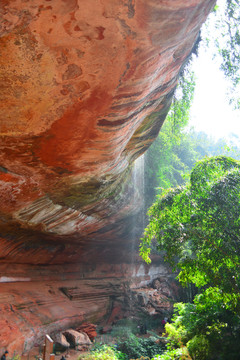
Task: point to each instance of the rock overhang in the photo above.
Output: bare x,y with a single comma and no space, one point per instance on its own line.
85,90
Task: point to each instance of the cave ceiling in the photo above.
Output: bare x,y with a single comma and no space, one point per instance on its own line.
85,88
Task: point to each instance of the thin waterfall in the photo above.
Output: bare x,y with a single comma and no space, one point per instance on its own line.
139,204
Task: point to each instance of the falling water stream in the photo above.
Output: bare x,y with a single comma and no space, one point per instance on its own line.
139,202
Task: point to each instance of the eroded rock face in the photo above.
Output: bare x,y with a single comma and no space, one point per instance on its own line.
85,87
51,299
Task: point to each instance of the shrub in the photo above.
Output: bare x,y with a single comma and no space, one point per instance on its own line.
176,354
104,352
128,324
198,347
120,331
136,347
175,335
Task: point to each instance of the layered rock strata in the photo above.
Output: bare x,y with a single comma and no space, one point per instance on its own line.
56,298
85,87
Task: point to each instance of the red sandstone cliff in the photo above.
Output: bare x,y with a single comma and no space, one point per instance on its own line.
85,87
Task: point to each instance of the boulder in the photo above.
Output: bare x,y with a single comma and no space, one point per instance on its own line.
142,299
61,343
77,338
89,329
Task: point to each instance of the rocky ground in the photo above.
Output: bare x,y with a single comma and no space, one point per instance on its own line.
141,305
70,354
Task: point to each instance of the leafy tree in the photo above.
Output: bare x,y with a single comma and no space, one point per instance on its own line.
198,228
208,146
206,328
228,44
203,218
171,154
221,34
171,157
137,347
104,352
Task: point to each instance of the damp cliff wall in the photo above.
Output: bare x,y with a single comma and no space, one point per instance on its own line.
85,88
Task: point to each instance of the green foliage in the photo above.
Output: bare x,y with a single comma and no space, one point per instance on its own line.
205,322
206,145
135,347
171,155
198,228
202,216
125,327
104,352
15,357
221,34
198,348
229,47
175,354
119,331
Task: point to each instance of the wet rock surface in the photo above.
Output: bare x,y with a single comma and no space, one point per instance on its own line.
85,88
